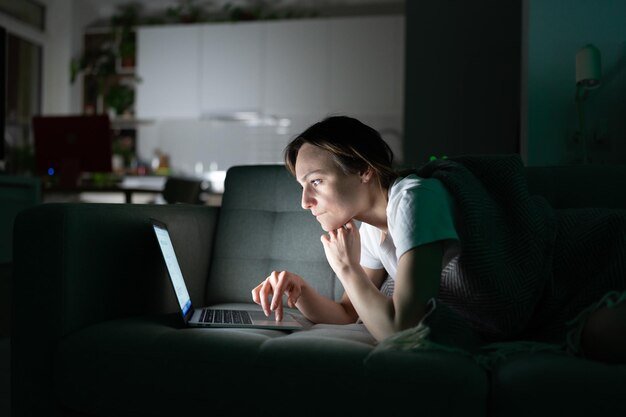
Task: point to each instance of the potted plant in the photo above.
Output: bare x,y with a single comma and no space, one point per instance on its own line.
123,25
127,50
98,63
119,98
186,11
116,48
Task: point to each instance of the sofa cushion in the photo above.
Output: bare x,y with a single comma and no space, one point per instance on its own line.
324,349
137,366
545,384
339,369
431,382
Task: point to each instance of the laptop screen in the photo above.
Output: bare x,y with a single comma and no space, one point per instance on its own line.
176,275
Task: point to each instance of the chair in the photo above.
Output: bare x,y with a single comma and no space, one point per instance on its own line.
183,190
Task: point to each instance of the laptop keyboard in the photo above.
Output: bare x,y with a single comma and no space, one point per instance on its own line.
216,316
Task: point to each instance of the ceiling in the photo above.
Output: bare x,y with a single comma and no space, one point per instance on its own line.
106,8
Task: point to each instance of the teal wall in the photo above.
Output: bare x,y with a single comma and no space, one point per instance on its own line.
555,30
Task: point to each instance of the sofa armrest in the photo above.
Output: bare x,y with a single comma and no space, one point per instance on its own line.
79,264
86,263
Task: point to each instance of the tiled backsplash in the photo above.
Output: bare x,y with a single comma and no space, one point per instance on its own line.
200,146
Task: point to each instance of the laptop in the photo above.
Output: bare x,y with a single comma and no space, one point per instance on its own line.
210,316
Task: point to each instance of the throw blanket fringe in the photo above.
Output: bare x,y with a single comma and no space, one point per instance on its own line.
421,338
610,300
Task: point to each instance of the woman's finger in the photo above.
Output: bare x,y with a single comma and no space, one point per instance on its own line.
266,291
279,311
255,293
277,299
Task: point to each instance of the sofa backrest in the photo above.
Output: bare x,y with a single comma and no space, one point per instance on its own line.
262,228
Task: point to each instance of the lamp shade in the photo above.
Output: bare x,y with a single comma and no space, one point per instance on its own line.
588,67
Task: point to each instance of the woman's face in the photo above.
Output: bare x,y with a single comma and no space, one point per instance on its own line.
333,197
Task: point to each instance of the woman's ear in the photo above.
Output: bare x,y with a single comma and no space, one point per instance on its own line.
367,175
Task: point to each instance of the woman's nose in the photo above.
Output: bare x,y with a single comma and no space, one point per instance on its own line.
307,201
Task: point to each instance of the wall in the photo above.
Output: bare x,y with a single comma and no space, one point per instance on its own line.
556,29
65,22
56,57
462,78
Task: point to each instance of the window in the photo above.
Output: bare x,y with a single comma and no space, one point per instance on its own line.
27,11
22,101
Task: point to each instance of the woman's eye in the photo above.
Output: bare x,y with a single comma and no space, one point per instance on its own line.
315,183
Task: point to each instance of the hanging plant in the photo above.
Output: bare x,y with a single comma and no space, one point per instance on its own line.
186,11
97,62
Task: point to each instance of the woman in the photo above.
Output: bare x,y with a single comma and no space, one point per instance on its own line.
407,233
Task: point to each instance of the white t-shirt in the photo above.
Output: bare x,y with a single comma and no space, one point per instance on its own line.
419,211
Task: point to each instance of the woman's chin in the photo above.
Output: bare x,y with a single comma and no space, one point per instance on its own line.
327,227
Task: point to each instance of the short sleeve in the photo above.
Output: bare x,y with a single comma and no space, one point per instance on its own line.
421,212
369,245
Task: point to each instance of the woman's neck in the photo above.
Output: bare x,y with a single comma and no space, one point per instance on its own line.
376,212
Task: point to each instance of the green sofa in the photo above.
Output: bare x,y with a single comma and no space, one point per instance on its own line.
16,194
96,330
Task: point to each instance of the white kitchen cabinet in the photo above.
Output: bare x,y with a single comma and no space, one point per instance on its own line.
302,70
296,67
304,67
366,61
232,57
168,65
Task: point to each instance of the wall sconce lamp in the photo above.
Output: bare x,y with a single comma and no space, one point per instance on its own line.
588,67
588,75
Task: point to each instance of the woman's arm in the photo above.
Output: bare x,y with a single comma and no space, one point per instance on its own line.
313,305
320,309
417,280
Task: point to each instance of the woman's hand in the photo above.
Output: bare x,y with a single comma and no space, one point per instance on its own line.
277,284
343,247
